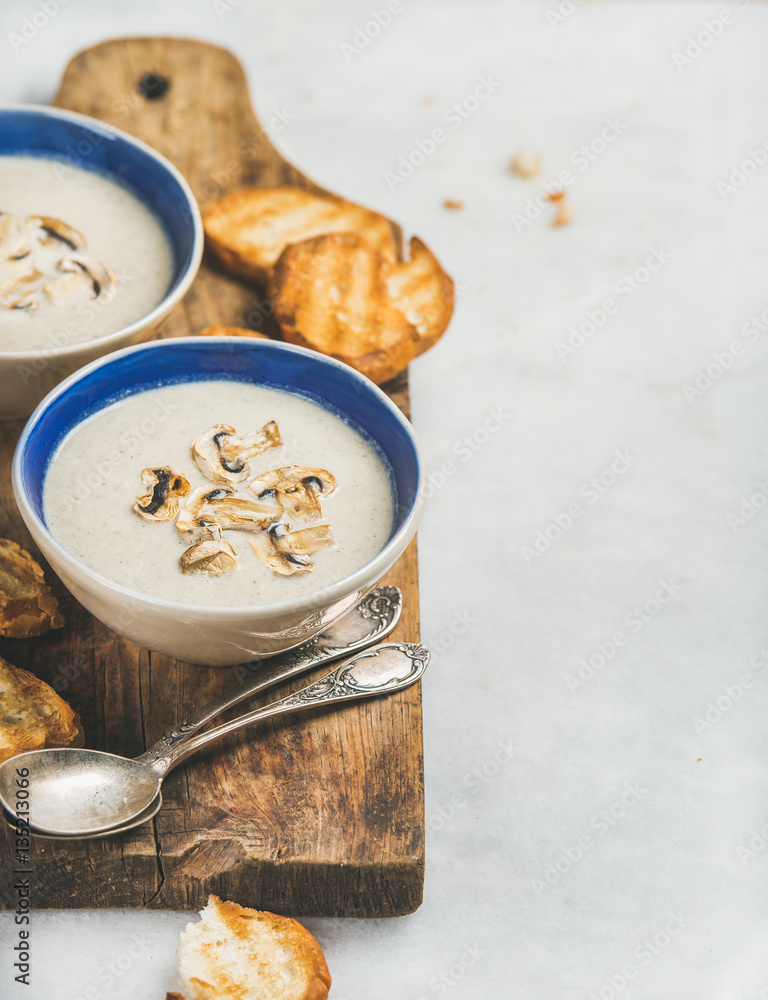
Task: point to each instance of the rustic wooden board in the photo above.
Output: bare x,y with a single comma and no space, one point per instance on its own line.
316,815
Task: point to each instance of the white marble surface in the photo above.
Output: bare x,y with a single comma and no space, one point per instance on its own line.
600,838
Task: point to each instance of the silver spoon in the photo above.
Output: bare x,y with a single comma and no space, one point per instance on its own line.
77,792
373,618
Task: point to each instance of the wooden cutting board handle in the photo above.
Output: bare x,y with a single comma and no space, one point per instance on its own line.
189,100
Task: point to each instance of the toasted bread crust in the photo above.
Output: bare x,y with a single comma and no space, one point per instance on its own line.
249,228
336,294
27,606
424,292
238,953
32,715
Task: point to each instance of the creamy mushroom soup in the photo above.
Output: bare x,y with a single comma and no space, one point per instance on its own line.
80,255
219,493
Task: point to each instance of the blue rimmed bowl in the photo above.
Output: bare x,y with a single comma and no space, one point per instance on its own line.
77,140
207,634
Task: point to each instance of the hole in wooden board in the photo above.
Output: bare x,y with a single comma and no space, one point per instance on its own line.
153,86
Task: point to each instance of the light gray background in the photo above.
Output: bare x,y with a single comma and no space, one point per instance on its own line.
601,834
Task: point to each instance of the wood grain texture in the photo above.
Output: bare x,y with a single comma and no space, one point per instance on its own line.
316,815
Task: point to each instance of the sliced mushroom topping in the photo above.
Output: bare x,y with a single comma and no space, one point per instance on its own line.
257,442
296,489
61,231
212,555
103,279
165,489
219,505
17,236
222,455
303,542
214,460
34,252
21,292
287,552
64,288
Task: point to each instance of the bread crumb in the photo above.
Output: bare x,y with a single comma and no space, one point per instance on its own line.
525,163
564,215
453,205
556,196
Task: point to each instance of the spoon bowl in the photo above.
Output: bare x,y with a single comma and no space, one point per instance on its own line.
82,787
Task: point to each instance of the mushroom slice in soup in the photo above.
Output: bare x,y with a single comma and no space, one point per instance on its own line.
64,288
20,292
17,237
35,250
211,555
296,489
209,505
103,279
286,552
57,229
257,442
304,541
165,489
222,455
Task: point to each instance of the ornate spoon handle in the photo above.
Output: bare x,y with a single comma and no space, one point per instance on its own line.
372,619
379,670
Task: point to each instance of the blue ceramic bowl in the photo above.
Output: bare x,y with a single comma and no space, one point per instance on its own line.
218,635
78,141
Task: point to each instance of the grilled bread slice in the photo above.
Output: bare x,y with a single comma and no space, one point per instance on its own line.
248,229
423,292
338,295
32,715
235,953
27,606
